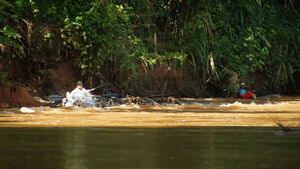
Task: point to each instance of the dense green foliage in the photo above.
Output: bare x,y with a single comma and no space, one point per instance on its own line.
217,43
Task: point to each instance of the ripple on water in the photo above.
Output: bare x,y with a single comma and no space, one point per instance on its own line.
27,110
197,103
263,106
6,112
196,112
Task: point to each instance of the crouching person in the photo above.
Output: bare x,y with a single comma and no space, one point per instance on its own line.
244,93
79,97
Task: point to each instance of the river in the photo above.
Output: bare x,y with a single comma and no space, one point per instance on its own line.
193,113
201,133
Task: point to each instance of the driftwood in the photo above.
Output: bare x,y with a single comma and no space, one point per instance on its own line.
173,100
131,99
141,100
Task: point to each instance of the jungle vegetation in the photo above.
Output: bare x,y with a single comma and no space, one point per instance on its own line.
184,46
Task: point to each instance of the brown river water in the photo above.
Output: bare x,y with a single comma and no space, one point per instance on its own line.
201,133
263,112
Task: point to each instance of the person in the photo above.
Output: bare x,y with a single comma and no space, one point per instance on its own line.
79,96
244,93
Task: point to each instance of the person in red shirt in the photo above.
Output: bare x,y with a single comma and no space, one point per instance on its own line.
244,93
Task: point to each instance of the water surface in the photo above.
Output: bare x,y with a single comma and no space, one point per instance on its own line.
192,113
149,148
200,133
